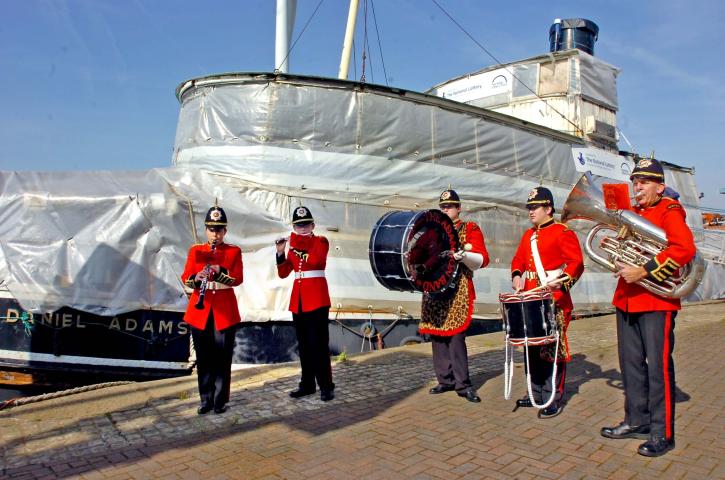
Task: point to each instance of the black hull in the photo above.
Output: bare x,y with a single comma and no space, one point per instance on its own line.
69,342
67,346
275,342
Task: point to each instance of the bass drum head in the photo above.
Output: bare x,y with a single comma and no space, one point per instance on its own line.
406,251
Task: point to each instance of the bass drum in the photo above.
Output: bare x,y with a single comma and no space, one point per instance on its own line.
407,251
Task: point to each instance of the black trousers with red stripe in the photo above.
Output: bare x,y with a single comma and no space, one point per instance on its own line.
646,341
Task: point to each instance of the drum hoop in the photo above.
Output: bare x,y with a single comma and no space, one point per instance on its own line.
524,297
404,242
535,341
373,242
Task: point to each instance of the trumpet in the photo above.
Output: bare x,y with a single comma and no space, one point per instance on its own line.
635,241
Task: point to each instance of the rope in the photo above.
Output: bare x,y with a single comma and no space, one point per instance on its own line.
553,374
370,328
508,368
576,127
16,402
368,331
364,42
300,35
380,47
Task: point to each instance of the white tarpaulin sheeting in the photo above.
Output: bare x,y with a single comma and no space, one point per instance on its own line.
112,242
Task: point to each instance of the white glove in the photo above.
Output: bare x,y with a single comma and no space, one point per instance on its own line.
472,260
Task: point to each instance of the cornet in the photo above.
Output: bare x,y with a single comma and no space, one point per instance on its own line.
635,242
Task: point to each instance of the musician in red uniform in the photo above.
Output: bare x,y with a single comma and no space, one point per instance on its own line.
447,318
549,253
646,321
309,303
216,267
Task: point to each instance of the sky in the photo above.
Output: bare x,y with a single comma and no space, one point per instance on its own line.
89,84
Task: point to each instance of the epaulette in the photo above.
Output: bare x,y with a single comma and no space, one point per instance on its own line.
566,227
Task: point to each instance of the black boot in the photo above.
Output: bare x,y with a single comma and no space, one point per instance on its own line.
656,446
327,395
626,431
440,389
301,392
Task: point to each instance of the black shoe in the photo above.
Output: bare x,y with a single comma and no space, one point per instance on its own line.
656,446
221,409
626,431
470,395
524,402
301,392
326,395
441,389
203,410
550,411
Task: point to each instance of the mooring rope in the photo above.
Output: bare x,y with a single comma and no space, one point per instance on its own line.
16,402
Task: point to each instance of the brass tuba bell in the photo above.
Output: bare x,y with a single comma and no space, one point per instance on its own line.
635,242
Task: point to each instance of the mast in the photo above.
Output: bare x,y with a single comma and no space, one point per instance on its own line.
286,10
347,45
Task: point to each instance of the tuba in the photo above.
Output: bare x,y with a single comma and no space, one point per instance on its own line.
635,240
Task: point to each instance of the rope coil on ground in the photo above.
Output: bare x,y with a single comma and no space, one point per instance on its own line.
16,402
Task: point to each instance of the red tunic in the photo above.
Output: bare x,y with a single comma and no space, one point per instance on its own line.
558,248
218,299
474,236
306,253
452,316
669,215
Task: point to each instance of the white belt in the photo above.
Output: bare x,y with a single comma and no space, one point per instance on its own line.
216,286
310,274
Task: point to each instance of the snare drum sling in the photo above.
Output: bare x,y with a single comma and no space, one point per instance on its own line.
447,315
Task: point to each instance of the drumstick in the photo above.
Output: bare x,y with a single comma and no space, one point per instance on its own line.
541,287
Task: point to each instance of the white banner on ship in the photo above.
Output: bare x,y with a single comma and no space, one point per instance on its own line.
477,86
602,163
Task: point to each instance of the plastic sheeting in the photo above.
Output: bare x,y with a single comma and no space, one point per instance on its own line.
106,242
568,72
112,242
351,152
598,80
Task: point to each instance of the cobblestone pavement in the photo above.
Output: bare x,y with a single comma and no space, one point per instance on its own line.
383,423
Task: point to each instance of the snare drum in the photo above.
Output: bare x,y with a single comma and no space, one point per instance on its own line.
529,318
406,251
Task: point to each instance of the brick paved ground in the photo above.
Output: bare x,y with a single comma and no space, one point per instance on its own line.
383,423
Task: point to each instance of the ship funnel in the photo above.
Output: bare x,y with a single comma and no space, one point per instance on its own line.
573,33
